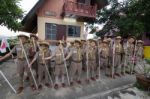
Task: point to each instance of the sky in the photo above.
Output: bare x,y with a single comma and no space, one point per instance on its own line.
26,5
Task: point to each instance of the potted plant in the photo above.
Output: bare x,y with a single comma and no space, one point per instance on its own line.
144,79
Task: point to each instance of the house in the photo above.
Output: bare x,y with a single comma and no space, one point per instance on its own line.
57,19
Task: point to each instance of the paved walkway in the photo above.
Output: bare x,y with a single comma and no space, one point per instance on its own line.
94,90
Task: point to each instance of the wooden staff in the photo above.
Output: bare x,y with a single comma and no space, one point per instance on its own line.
28,64
65,65
133,61
125,60
113,60
99,62
87,60
35,49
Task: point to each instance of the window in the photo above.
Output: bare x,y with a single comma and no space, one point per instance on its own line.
74,31
81,1
50,31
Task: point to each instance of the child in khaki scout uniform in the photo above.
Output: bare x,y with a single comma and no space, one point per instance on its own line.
22,65
92,57
33,49
76,55
59,66
104,53
129,51
118,52
42,63
139,55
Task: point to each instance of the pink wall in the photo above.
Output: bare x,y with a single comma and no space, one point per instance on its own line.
55,7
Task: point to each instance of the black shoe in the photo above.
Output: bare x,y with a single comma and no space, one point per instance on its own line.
33,87
71,83
19,90
79,81
27,78
63,85
40,87
47,85
56,86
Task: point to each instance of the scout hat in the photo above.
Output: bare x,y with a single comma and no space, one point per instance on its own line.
77,41
140,41
132,37
108,39
118,37
99,38
33,35
22,35
44,43
105,41
82,40
92,40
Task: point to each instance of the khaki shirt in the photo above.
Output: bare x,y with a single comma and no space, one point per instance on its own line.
18,49
58,55
139,52
118,48
92,53
77,54
43,54
104,52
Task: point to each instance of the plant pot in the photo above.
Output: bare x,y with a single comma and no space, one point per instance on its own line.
143,81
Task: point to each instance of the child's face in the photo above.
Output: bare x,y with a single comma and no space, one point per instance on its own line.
131,40
77,45
139,44
23,39
93,44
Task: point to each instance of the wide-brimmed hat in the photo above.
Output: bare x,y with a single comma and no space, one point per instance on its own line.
105,41
99,38
77,41
82,40
108,39
132,37
33,35
44,43
118,37
140,41
22,35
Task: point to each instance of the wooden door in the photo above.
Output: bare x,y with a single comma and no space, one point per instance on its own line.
61,32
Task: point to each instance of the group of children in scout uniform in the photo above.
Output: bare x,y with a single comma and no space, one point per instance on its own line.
90,57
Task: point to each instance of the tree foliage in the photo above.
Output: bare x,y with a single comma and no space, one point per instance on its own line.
10,14
130,17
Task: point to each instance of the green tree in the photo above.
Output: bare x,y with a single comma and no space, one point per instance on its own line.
10,14
131,17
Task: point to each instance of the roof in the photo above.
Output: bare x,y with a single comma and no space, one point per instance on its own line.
30,20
